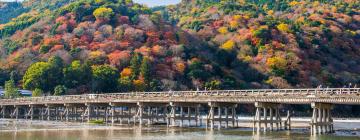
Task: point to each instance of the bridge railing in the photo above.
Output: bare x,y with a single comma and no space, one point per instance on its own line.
318,92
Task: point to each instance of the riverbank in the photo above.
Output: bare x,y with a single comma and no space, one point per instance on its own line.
243,122
45,130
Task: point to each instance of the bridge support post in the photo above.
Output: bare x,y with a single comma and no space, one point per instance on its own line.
67,113
150,112
31,112
172,116
184,114
15,114
288,121
321,121
42,113
106,115
212,118
129,115
262,109
139,114
123,111
48,113
88,112
3,111
181,116
75,114
56,113
112,114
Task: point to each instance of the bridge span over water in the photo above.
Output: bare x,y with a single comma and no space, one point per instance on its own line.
174,107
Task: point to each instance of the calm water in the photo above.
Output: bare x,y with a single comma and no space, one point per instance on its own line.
36,130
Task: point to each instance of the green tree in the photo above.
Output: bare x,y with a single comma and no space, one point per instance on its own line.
4,76
213,85
229,83
197,71
155,85
77,74
37,92
145,70
10,89
36,76
44,75
135,63
60,90
125,84
104,78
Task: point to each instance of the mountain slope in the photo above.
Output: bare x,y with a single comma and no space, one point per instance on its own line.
114,33
213,44
292,43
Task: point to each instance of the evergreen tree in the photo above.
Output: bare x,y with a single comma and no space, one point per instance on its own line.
44,75
37,93
10,89
60,90
145,70
77,74
104,78
4,76
135,63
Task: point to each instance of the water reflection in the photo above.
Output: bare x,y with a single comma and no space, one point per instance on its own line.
165,134
61,131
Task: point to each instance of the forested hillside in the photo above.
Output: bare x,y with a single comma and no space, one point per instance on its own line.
106,46
291,43
73,47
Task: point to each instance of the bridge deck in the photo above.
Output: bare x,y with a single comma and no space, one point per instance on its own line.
284,96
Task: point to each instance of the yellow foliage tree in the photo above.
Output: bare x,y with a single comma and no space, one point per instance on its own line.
103,13
180,67
234,24
276,62
228,45
270,12
237,17
139,85
293,3
283,27
334,9
242,2
223,30
96,54
126,72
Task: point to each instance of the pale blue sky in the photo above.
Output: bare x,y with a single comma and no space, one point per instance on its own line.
147,2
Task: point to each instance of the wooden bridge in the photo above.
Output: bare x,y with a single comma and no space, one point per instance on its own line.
175,107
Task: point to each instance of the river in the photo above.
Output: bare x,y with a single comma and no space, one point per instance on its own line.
45,130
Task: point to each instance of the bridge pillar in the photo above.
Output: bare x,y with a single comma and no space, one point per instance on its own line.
41,113
212,117
88,112
3,111
187,112
66,113
287,123
71,112
261,116
30,112
139,113
150,112
48,113
15,114
321,121
75,112
120,112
